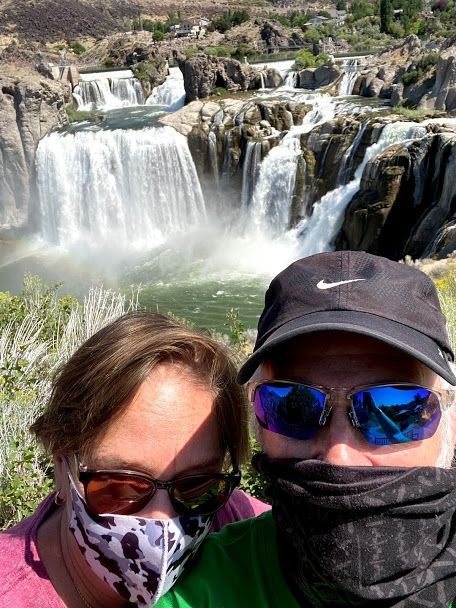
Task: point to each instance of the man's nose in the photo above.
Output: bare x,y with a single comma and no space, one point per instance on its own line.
339,442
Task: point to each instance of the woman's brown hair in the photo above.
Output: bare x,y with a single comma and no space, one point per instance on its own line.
102,376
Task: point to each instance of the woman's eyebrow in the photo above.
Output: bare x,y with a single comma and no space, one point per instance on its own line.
113,463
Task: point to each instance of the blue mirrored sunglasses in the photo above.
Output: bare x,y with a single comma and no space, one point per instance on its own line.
385,414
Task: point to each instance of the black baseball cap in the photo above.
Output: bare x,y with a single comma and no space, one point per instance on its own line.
357,292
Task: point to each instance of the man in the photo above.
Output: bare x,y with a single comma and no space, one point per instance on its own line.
349,381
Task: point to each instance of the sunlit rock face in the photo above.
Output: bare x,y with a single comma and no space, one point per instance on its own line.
406,200
29,108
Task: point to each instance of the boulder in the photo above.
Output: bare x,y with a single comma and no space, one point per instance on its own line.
315,78
203,73
374,87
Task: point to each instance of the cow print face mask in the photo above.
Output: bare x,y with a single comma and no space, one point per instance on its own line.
140,558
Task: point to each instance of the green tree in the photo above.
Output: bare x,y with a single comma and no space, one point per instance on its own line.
361,8
386,16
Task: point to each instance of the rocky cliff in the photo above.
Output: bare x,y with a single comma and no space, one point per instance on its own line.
416,74
30,106
407,197
407,194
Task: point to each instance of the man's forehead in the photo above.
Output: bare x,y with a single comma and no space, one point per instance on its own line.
320,355
334,343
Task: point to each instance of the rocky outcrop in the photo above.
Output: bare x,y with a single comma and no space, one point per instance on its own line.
442,96
150,72
421,75
219,132
30,106
316,78
203,73
406,199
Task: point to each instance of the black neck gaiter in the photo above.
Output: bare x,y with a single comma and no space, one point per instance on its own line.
364,536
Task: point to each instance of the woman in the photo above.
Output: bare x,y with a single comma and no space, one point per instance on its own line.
147,427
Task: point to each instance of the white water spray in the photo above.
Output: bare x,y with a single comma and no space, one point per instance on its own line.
171,93
122,188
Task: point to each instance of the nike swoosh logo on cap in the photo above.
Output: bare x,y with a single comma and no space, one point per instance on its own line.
323,285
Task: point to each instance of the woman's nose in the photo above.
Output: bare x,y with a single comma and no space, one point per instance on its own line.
158,507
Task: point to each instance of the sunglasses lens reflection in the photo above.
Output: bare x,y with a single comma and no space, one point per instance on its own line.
117,493
126,494
293,410
397,414
202,494
386,415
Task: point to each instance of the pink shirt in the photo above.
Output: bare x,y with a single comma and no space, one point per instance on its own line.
24,581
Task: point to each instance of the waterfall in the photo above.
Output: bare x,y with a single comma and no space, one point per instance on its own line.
347,162
212,140
171,93
273,195
122,187
347,83
108,93
252,160
317,232
128,90
291,79
447,232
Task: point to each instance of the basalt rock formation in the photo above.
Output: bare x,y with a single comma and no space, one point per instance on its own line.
420,75
406,200
204,73
316,78
30,106
219,132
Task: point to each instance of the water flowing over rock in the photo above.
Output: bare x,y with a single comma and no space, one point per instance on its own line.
29,109
222,133
108,93
407,194
142,186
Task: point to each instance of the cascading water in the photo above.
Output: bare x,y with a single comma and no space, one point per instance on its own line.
348,159
317,233
350,67
122,187
447,232
273,195
291,79
171,93
252,160
109,90
129,190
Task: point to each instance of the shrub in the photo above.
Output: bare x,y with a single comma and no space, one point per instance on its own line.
219,91
77,48
39,330
304,59
81,115
428,60
221,51
410,77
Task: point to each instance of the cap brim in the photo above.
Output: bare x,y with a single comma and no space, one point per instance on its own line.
396,334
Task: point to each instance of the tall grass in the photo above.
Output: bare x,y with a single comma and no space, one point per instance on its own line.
39,332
